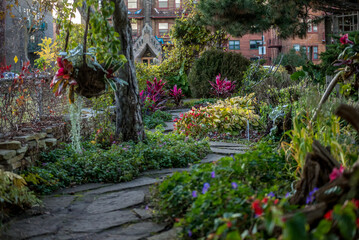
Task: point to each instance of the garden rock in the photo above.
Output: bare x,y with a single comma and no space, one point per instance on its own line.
50,142
7,154
12,145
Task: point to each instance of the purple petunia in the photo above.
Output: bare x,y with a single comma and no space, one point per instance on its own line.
189,233
213,174
234,185
287,195
271,194
205,188
311,197
194,194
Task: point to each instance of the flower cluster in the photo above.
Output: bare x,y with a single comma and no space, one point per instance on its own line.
228,116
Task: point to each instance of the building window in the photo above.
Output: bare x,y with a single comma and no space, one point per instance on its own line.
315,28
310,27
163,3
315,53
254,44
262,50
163,28
178,3
296,47
234,45
132,4
134,29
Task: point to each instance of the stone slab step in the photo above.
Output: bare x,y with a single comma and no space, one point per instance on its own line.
212,158
225,151
226,144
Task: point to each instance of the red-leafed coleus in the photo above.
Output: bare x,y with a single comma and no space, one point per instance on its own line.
63,79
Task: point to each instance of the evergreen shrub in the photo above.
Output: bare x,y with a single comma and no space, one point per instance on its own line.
210,64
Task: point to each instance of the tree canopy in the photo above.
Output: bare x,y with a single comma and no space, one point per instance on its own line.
290,17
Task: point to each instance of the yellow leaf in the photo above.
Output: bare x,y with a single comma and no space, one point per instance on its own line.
16,59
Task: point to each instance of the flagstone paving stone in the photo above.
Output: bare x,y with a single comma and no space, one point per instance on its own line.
105,211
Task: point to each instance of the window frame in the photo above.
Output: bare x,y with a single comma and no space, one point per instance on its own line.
234,45
159,3
257,45
133,31
133,2
159,29
315,53
296,49
178,2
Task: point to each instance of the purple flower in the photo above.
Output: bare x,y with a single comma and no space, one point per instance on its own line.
213,174
287,195
205,188
194,194
234,159
44,164
234,185
271,194
146,207
189,233
310,197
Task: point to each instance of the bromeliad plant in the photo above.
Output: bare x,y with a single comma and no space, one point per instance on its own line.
176,94
222,88
70,73
154,97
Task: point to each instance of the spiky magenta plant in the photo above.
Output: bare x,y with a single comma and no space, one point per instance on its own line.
176,94
222,88
154,97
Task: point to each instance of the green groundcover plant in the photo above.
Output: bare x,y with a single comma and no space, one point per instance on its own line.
157,118
199,199
64,167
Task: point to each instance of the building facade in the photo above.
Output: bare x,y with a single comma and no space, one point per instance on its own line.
22,35
151,21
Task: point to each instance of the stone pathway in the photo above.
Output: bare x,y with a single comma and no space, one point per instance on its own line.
103,211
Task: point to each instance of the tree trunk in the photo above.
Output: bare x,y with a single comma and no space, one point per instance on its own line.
129,125
2,33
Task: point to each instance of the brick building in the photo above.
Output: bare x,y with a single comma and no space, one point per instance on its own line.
18,30
151,21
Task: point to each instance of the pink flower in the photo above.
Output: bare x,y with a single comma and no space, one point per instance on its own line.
345,39
336,173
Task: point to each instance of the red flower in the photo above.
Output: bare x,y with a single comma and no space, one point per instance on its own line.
276,201
256,206
345,39
229,224
357,221
265,200
329,215
356,203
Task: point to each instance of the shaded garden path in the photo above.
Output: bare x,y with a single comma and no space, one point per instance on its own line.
105,211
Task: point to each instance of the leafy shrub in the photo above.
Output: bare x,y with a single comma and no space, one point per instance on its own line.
123,162
145,72
210,64
229,115
222,88
292,58
210,192
157,118
14,195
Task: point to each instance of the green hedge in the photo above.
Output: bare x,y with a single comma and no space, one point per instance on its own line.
210,64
